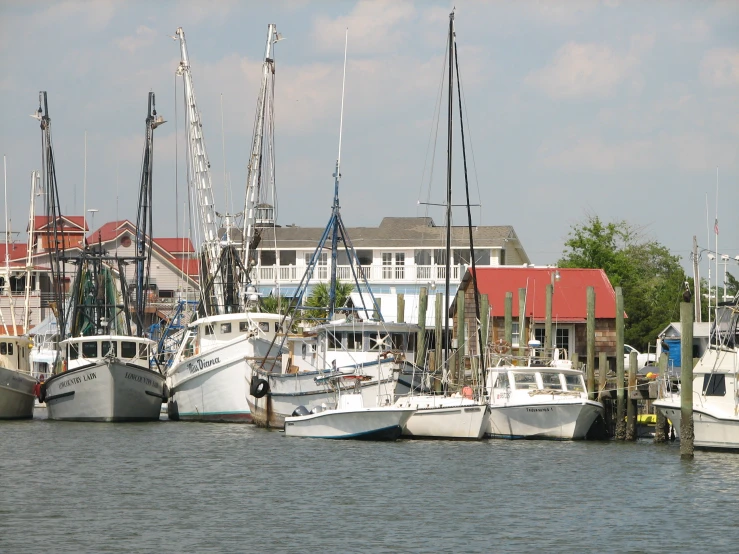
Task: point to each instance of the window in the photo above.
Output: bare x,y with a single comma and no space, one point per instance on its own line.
422,257
714,384
10,349
501,381
377,340
334,341
400,265
364,257
287,257
208,329
90,349
525,381
387,265
551,381
396,341
74,351
575,383
143,351
166,294
3,348
128,349
268,257
109,348
353,341
501,258
264,326
514,333
562,338
243,326
225,328
439,256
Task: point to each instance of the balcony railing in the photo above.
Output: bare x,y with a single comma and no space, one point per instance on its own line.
373,273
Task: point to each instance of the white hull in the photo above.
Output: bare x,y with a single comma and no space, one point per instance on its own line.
710,431
365,423
444,418
105,391
563,420
16,394
289,391
214,386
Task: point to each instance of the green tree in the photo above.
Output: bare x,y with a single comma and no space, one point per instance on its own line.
652,279
318,299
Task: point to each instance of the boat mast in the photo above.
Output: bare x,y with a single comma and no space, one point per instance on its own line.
445,377
200,184
8,236
254,170
35,183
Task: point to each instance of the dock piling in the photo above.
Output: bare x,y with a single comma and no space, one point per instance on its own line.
631,403
660,429
686,380
620,396
590,369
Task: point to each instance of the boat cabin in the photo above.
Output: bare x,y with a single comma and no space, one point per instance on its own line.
504,383
81,351
14,352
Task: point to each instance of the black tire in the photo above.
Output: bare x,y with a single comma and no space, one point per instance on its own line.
258,388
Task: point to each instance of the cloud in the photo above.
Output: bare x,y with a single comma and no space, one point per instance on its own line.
143,37
96,14
589,69
720,67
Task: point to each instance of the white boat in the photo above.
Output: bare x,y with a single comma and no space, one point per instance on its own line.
210,374
444,417
17,396
107,379
715,388
349,419
340,347
538,399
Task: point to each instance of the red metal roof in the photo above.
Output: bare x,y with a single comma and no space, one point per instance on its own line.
190,266
110,231
176,245
16,252
71,222
569,301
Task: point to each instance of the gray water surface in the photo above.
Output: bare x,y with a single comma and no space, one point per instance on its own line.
190,487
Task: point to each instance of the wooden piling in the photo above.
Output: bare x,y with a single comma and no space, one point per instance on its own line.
423,300
548,338
620,393
461,340
590,369
522,337
575,360
660,429
400,316
631,402
508,320
602,381
686,380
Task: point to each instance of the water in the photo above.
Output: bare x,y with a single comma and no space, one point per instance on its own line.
189,487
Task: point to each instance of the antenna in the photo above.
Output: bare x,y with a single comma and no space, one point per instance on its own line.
84,193
337,175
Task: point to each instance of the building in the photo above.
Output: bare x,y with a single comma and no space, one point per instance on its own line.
569,306
402,255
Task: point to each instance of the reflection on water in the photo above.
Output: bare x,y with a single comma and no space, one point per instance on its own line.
175,487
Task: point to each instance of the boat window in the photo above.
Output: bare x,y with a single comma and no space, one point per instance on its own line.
225,328
525,380
109,348
377,341
353,341
243,326
714,384
10,348
411,343
189,347
277,327
74,351
143,351
128,349
334,341
551,381
397,341
90,349
574,383
208,329
264,326
501,382
3,348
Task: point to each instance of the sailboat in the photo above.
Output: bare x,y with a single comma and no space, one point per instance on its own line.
461,415
348,342
106,373
209,375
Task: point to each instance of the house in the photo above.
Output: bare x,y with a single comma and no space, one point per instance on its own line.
669,341
569,306
401,255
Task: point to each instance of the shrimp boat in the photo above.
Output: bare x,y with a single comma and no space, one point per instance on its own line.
348,418
535,397
106,373
715,387
17,394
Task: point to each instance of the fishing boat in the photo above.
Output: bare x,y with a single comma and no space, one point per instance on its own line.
17,392
460,414
348,418
538,397
208,377
715,387
105,373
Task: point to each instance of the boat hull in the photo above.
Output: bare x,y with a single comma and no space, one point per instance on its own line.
16,394
711,432
556,421
105,391
362,424
446,418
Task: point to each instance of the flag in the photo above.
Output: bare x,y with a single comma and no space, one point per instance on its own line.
715,226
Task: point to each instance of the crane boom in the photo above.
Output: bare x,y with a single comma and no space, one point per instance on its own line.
200,185
255,159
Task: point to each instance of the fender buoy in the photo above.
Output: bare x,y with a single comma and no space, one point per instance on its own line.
258,388
467,392
501,346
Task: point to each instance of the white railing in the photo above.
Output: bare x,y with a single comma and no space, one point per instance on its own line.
373,273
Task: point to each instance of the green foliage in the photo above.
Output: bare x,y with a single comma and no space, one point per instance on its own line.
319,299
274,304
652,279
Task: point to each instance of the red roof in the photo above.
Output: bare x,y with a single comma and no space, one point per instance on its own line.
176,245
16,252
71,222
110,231
190,266
569,301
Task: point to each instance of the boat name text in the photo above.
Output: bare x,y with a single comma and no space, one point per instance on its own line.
77,380
538,409
139,378
196,366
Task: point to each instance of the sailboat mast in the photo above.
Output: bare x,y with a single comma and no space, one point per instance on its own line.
448,200
335,209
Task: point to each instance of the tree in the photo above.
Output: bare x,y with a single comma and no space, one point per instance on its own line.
652,279
318,299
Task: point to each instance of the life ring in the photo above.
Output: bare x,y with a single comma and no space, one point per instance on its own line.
258,388
467,392
501,346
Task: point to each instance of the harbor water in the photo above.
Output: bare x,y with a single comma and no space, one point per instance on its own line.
191,487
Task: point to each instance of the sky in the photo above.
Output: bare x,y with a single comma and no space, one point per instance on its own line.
616,109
